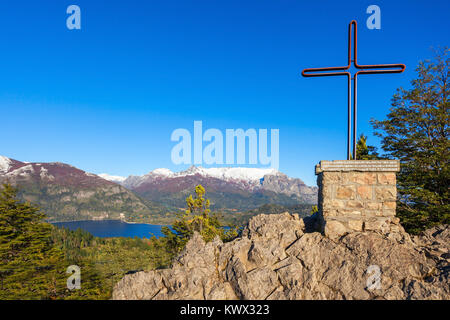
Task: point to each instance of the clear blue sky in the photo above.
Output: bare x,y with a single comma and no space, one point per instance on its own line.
106,98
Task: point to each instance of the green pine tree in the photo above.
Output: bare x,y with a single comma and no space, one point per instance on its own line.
195,218
365,152
31,267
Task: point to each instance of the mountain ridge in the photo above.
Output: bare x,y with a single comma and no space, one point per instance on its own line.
247,179
245,188
68,193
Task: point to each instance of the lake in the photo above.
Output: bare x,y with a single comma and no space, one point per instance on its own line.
114,228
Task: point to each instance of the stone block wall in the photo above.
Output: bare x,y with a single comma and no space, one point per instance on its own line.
357,196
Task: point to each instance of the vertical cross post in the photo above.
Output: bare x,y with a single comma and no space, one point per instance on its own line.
343,71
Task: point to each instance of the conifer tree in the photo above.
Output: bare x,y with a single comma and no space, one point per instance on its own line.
30,267
196,218
365,152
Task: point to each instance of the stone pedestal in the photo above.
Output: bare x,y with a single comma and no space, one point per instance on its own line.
357,195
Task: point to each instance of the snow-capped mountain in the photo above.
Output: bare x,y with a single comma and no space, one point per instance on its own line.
220,183
67,193
250,176
54,172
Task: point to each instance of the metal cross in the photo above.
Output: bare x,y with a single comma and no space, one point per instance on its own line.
373,69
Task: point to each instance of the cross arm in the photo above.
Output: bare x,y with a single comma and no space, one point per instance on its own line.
325,72
380,68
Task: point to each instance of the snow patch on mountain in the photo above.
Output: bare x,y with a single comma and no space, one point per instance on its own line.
90,174
238,173
5,164
112,178
24,171
163,172
248,176
45,175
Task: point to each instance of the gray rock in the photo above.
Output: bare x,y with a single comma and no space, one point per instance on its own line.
277,257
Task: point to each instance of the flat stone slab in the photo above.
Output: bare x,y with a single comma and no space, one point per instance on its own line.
359,165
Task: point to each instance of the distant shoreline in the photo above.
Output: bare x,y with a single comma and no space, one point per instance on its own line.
150,224
111,228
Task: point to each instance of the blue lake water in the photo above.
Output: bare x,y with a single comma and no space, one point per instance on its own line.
114,228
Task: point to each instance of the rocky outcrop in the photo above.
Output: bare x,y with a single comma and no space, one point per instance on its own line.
282,257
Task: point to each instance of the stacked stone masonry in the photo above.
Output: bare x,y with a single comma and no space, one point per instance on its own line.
357,196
